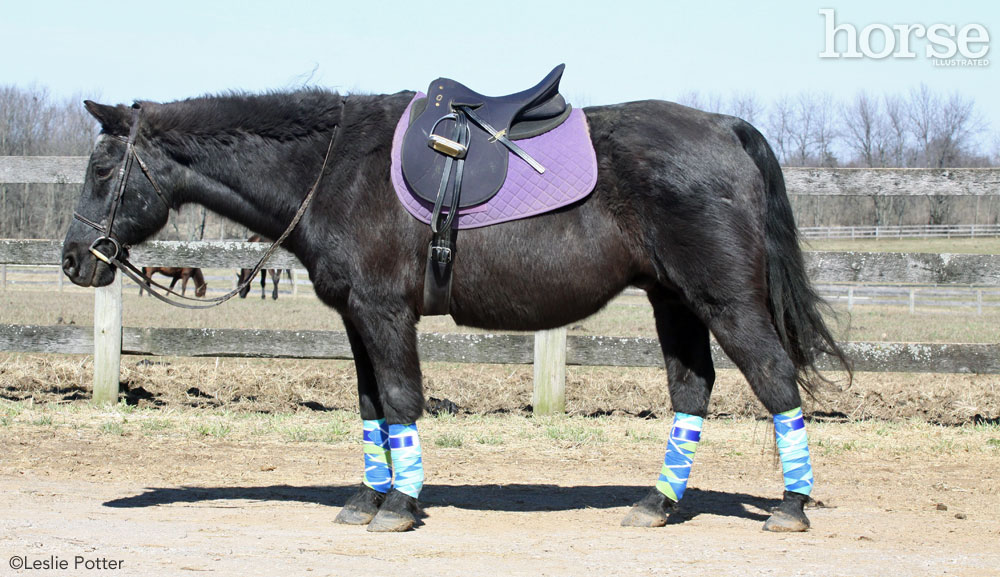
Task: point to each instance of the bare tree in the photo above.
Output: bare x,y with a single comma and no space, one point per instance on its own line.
778,127
957,124
922,117
824,129
746,105
710,102
801,129
895,126
865,129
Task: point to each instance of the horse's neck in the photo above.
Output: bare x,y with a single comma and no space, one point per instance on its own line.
232,188
234,182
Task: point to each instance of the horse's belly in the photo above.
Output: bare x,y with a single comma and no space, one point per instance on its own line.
521,295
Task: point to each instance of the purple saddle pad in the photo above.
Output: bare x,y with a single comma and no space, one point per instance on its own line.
566,152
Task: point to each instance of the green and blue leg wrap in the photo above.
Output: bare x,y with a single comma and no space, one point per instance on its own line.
378,467
793,448
404,446
684,436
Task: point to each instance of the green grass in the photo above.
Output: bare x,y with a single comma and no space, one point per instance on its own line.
297,434
448,441
43,421
575,433
218,430
489,439
155,425
114,428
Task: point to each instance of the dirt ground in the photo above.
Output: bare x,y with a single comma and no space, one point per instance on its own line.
179,489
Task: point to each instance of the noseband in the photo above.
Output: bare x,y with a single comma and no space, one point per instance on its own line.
119,256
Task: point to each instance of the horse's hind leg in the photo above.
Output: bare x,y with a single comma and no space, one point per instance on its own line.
275,277
263,283
685,342
745,331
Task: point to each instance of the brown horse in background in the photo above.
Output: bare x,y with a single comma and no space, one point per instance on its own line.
244,274
178,274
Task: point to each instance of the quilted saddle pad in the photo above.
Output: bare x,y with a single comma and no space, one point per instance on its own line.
566,152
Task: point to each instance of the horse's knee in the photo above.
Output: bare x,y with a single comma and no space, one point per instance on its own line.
402,403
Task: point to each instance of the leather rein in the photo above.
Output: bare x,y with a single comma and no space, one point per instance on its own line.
119,255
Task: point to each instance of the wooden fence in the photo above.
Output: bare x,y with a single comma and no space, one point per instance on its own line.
549,351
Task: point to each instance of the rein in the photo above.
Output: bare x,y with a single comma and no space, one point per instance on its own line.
119,257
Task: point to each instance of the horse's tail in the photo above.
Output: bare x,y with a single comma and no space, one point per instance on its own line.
795,307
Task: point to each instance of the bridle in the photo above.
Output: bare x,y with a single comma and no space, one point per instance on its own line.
119,256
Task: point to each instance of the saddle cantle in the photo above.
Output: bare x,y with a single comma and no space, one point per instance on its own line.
516,116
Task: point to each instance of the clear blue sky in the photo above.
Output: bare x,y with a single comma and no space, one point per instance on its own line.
614,50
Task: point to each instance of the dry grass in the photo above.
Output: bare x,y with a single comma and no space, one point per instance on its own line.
989,245
281,386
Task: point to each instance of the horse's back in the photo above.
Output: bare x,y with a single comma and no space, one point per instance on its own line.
670,177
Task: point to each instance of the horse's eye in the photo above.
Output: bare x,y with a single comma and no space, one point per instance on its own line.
103,172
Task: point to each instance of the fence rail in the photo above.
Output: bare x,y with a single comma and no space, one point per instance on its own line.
548,350
513,349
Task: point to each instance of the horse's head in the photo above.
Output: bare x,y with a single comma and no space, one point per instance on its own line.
120,203
241,277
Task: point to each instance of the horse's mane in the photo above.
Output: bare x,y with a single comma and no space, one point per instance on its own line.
280,116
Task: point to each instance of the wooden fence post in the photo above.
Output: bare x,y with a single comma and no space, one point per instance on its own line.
107,341
549,396
295,283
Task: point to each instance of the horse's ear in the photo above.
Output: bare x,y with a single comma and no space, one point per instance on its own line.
113,119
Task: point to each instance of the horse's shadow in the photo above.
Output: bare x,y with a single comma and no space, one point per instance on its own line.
519,498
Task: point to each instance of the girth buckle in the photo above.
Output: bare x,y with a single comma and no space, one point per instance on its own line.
440,254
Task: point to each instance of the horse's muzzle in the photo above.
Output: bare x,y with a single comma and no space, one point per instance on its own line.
83,268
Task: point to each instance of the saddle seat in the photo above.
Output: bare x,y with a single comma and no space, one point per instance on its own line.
524,114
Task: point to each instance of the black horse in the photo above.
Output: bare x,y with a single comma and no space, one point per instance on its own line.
689,206
244,274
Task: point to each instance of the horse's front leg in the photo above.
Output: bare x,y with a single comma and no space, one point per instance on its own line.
384,340
687,351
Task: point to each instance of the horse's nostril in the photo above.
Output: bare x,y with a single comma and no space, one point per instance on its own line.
69,265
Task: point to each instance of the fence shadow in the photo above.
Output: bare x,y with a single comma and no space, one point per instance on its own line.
520,498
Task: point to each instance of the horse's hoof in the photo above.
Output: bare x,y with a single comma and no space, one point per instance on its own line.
789,517
397,514
651,511
361,508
